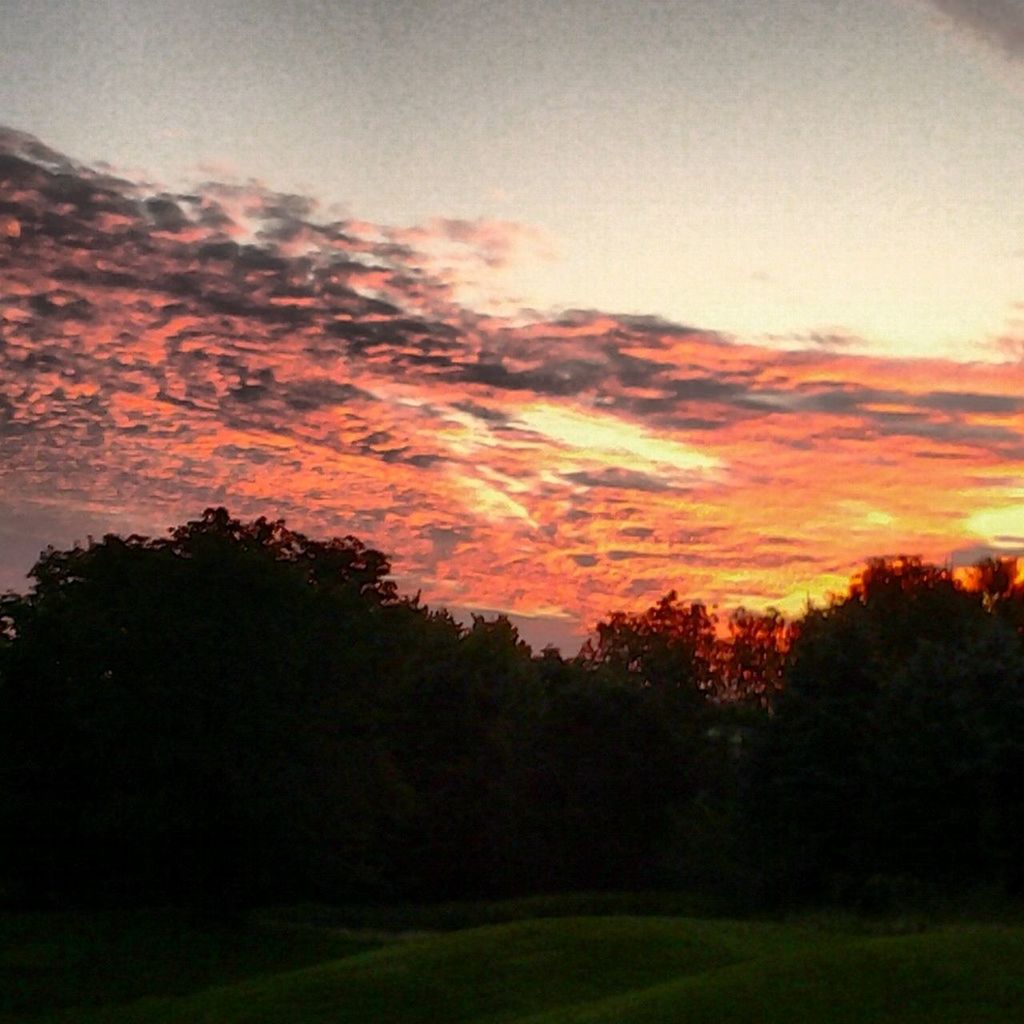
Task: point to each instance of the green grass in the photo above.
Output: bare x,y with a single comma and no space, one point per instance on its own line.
958,976
452,916
53,960
546,969
494,973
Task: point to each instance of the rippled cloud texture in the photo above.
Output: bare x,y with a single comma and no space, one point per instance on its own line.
162,352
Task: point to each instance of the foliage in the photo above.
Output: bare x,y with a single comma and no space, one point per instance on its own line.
669,646
178,714
236,713
753,658
892,760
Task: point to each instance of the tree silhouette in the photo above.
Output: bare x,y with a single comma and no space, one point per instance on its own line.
752,657
669,647
237,713
180,716
892,747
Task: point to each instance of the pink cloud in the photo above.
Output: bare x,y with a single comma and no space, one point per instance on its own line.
164,353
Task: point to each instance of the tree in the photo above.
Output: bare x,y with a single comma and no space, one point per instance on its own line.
605,773
752,657
192,718
669,647
1000,584
891,749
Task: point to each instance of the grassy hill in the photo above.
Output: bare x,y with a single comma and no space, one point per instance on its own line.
543,970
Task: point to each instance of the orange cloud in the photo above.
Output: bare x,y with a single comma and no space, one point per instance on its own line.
164,353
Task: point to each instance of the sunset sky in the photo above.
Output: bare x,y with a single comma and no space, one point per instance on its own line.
560,304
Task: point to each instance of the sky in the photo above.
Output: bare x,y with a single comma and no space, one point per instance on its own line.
560,304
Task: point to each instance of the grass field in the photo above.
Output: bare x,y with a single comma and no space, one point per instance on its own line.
572,959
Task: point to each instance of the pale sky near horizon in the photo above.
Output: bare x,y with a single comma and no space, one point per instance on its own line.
718,295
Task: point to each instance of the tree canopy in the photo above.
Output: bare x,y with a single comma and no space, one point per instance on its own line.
237,713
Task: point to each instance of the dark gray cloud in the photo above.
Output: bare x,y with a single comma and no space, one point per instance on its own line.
558,377
1006,439
445,540
841,397
320,393
981,552
14,143
998,23
618,479
626,555
482,412
965,401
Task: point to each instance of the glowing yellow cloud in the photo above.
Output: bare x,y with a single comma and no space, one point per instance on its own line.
862,515
998,525
492,503
607,438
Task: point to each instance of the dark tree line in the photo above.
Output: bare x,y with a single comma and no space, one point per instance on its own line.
238,714
895,757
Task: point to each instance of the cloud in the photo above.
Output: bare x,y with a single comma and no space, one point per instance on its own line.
618,479
966,402
496,243
1002,525
997,23
161,351
976,553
